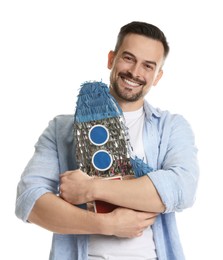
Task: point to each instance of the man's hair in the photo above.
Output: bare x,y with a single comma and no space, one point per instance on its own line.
145,29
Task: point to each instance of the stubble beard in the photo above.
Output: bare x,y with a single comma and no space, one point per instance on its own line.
126,94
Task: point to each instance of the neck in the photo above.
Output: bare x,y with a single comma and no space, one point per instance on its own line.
128,106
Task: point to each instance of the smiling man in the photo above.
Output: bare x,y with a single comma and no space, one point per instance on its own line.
135,67
143,226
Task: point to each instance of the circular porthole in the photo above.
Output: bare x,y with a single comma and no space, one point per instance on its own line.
102,160
98,135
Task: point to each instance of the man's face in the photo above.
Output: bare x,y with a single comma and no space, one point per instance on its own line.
135,68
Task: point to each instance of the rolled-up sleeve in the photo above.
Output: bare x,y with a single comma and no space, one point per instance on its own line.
40,175
177,174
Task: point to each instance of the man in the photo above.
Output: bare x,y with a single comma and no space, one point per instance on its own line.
143,226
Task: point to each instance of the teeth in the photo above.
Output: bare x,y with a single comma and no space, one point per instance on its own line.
131,83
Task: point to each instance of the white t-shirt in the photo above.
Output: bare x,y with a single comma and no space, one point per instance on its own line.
134,121
115,248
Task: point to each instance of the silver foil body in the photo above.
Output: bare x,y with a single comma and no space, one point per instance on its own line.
118,146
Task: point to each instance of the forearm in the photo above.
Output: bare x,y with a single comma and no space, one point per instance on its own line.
53,213
138,194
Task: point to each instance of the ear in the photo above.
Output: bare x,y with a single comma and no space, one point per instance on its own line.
158,77
111,56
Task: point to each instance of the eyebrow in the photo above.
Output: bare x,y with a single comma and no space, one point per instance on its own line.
147,61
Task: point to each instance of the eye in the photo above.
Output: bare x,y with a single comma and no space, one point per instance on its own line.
128,58
148,66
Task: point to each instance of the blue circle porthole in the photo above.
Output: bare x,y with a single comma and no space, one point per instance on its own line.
102,160
98,135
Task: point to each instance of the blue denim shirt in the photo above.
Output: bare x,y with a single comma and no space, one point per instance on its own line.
171,152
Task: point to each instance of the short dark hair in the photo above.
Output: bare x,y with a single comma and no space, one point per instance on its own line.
145,29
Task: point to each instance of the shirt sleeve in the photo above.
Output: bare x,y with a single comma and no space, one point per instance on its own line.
41,174
177,174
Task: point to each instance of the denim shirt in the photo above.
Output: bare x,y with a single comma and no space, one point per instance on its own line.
170,150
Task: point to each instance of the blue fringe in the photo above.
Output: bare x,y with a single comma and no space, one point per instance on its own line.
95,103
139,167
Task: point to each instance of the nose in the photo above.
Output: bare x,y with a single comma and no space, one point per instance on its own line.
135,70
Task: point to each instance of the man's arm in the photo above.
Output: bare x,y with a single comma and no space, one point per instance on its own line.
139,194
53,213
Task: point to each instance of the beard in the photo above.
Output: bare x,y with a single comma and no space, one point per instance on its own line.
127,94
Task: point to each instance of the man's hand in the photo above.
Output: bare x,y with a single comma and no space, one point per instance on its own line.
75,187
130,223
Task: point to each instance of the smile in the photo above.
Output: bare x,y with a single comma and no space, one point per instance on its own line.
131,83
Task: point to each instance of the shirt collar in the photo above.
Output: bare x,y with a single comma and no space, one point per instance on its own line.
151,111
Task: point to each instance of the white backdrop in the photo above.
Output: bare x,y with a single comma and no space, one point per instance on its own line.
48,48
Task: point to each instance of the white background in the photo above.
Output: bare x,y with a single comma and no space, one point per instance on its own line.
48,48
